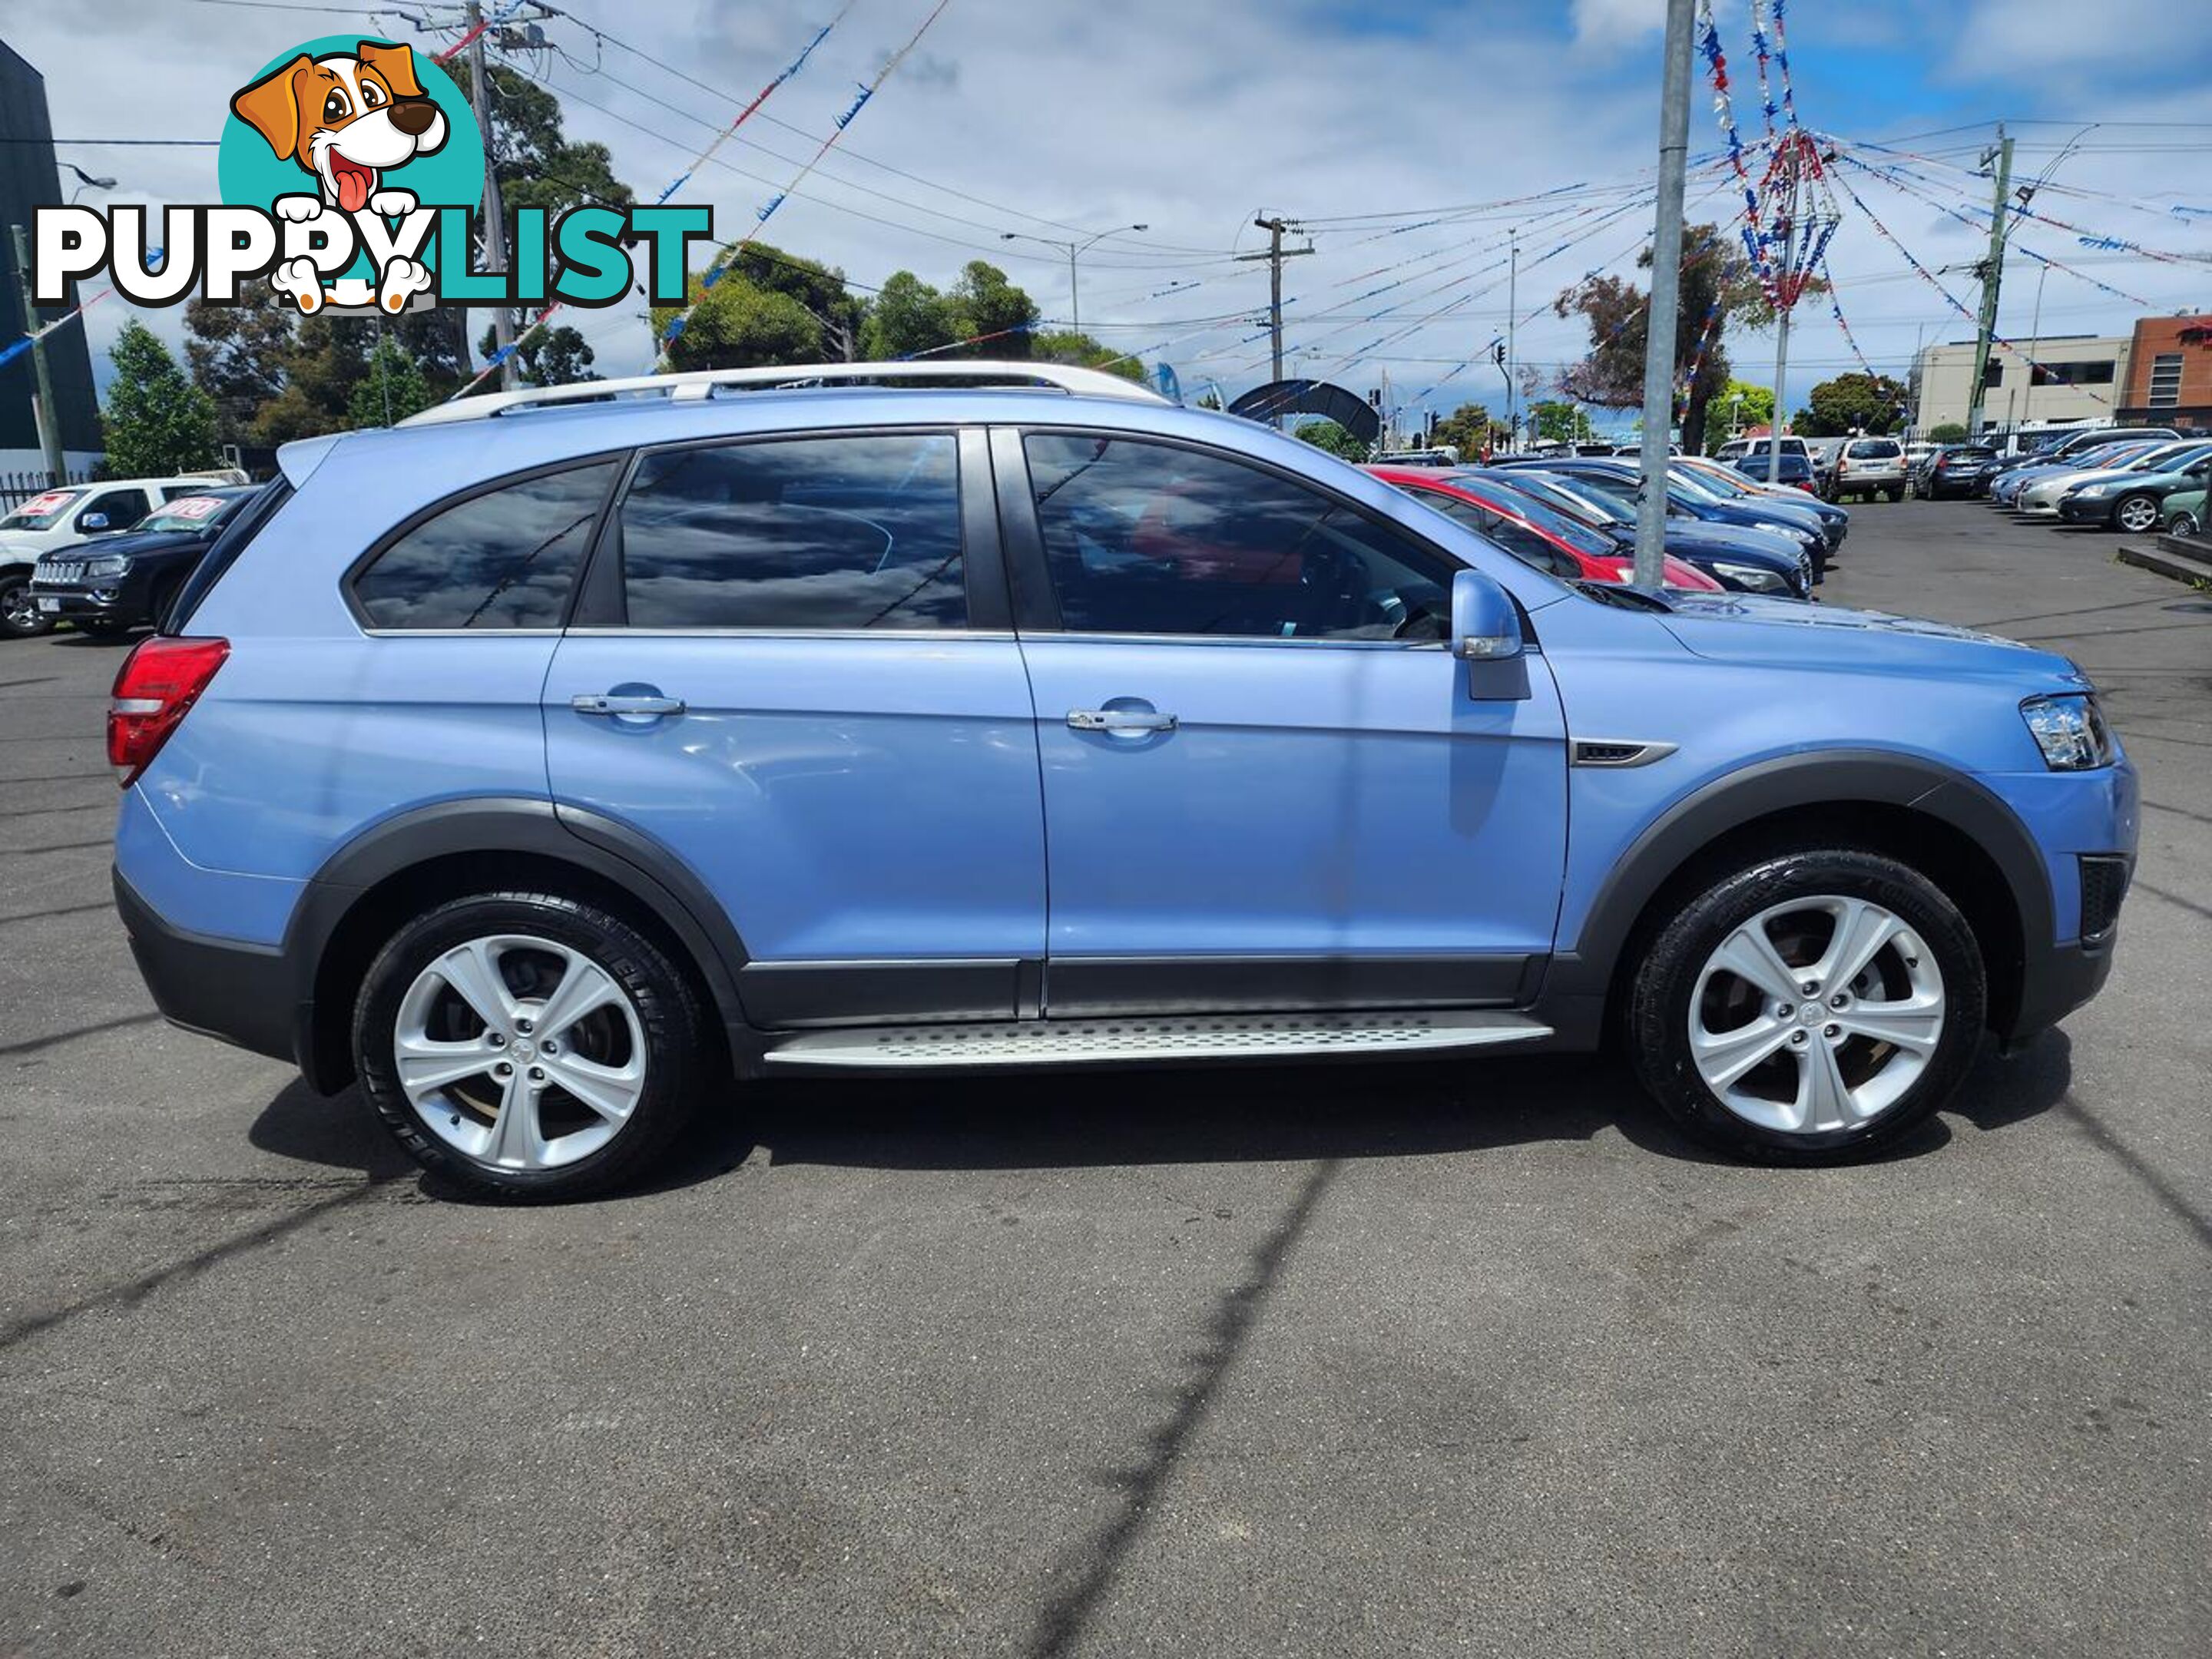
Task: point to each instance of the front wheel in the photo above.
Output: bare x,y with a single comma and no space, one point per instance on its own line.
2137,514
529,1046
19,611
1812,1007
2184,525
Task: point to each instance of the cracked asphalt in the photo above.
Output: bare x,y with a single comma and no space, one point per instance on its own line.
1373,1360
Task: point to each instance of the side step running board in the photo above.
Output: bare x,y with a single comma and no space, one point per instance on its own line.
1155,1041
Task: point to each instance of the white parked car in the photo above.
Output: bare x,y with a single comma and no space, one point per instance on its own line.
1867,467
55,518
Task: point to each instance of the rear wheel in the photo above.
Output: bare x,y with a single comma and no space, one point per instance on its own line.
529,1046
1811,1008
1895,492
19,611
2135,514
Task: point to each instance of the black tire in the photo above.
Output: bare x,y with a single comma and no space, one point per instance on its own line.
1659,1003
1895,492
2183,524
680,1060
17,620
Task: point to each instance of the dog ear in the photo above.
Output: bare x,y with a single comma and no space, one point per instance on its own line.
271,107
396,65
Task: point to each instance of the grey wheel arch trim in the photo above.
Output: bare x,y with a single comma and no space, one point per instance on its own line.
1583,973
648,873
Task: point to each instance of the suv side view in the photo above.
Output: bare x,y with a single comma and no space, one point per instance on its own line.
562,760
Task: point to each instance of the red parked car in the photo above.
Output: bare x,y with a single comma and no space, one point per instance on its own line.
1532,531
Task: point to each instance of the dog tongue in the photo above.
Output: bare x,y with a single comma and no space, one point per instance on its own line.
353,188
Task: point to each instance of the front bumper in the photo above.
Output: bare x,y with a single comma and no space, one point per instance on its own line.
2076,511
239,994
63,604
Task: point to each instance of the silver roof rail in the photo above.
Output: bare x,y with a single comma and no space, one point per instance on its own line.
698,384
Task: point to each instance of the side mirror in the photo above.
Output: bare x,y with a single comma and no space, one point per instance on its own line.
1484,626
93,521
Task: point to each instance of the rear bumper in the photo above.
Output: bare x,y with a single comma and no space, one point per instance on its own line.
239,994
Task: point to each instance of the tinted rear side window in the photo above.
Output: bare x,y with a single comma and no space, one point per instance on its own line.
506,558
804,533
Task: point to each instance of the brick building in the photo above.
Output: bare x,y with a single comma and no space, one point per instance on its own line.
2169,377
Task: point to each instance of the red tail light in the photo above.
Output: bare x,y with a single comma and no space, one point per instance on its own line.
157,686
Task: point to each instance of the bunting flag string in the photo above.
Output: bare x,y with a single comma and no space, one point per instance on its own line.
758,98
1782,63
1764,51
724,260
1709,45
1934,282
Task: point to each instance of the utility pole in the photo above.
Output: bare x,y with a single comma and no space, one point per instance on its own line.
1274,256
1782,311
1666,298
1512,361
45,413
1992,279
502,321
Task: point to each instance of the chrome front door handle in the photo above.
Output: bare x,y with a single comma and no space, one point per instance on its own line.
1121,721
620,702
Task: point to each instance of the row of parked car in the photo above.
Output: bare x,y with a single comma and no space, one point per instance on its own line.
110,557
1831,468
2137,479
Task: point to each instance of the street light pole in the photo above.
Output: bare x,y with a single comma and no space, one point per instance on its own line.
1075,292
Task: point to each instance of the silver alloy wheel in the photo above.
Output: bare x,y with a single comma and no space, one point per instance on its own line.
2184,525
2137,514
1818,1014
518,1053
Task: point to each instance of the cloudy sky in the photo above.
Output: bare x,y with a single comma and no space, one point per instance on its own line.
1409,136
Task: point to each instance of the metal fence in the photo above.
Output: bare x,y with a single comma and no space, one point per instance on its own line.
16,487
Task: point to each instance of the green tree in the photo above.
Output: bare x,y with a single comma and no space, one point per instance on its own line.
1066,346
737,324
1470,428
1949,433
910,317
1328,435
1738,401
157,420
392,389
1553,421
1873,403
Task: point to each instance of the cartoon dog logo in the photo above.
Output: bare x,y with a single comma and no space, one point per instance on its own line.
347,119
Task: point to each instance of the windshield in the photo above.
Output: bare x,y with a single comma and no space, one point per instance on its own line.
42,512
1697,489
1713,479
199,513
1558,526
1582,505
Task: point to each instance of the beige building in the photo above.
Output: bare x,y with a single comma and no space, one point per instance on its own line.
2077,377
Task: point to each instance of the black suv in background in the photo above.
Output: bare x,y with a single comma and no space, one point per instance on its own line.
1950,470
112,585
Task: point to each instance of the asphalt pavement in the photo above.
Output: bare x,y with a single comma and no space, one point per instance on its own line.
1357,1360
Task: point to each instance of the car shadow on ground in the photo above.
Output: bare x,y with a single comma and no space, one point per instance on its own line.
1256,1115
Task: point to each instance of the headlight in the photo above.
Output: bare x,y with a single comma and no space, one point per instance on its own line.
2087,491
113,564
2071,731
1756,577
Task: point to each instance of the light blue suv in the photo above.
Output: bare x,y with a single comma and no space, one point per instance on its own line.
562,760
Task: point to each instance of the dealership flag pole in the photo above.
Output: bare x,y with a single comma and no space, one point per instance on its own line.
1666,299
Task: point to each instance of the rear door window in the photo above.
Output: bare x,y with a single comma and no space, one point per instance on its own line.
504,558
858,532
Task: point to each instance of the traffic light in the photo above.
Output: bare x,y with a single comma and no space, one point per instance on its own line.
1498,352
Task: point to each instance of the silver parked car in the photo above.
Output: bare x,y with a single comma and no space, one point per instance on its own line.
1867,467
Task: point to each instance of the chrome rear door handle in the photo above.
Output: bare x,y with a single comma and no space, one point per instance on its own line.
1119,719
611,702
